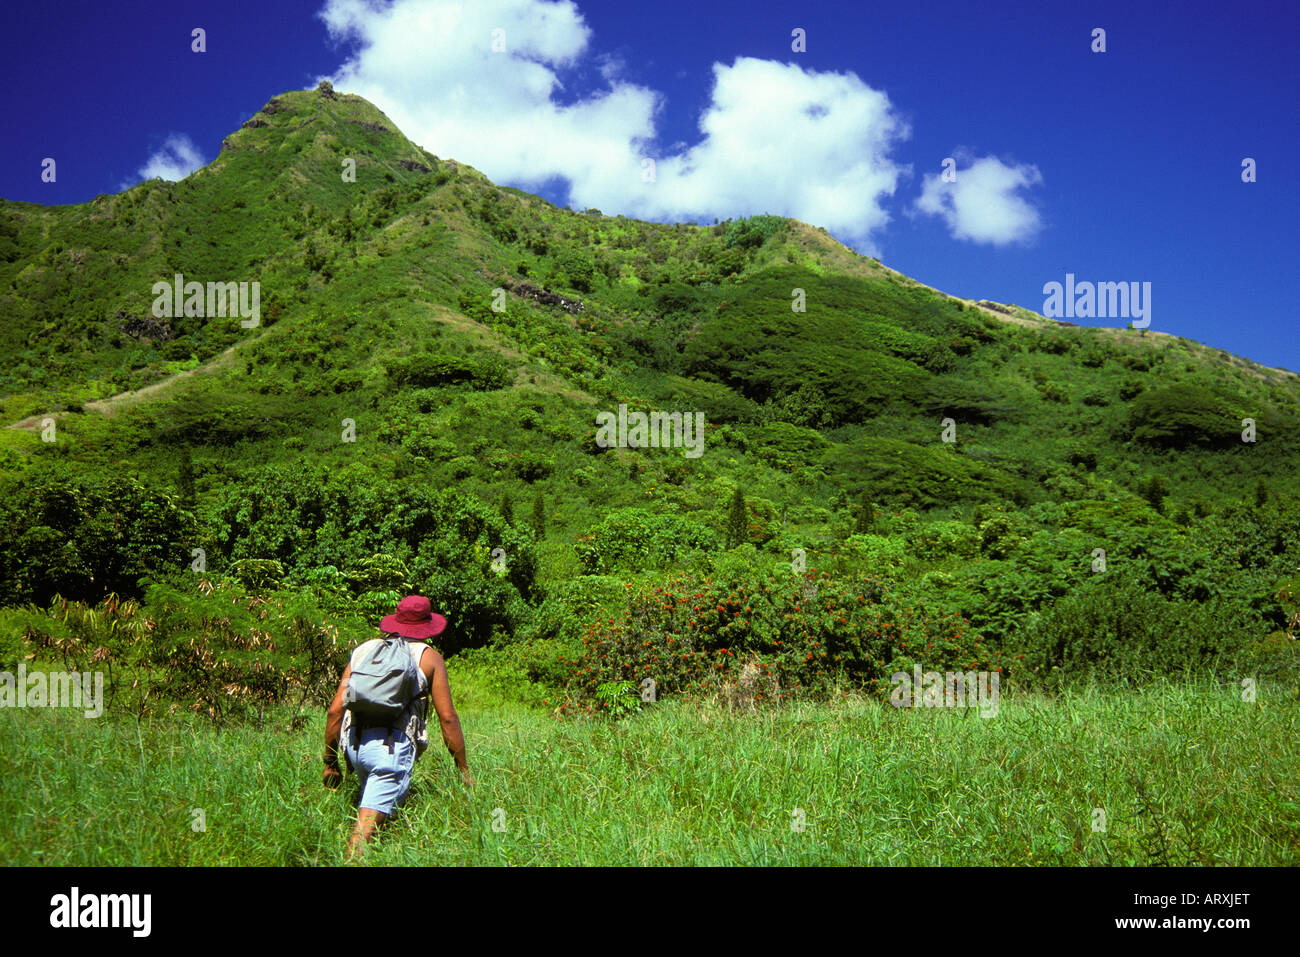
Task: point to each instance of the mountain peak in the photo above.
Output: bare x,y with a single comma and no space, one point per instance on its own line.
316,131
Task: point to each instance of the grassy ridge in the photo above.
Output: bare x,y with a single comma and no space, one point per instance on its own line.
1186,774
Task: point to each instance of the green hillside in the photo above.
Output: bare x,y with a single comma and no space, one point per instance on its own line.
415,409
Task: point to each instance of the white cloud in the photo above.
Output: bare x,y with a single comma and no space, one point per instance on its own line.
775,138
984,205
177,158
429,65
779,139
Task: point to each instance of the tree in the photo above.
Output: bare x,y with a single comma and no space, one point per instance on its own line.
752,232
85,536
737,520
539,515
575,271
185,478
507,508
312,258
865,523
1154,490
1185,414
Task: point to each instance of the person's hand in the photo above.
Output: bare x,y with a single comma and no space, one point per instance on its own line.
333,778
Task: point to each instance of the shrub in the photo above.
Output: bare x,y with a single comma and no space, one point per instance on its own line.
258,574
939,540
746,520
1082,456
786,446
924,476
999,536
462,467
86,537
1184,415
1155,490
969,402
755,345
1117,631
770,630
737,520
879,554
309,518
1130,388
1052,392
531,466
752,232
634,539
213,650
574,271
717,402
618,699
428,369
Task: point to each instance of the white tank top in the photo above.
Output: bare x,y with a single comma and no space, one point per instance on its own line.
415,728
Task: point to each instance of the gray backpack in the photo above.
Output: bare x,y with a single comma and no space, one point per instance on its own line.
381,688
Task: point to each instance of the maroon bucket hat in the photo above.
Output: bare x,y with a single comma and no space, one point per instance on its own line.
414,618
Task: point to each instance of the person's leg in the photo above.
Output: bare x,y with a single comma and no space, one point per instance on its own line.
386,784
367,820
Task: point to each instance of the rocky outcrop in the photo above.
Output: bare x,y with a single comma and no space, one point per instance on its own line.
527,290
144,328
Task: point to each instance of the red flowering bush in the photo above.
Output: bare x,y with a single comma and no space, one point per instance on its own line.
798,633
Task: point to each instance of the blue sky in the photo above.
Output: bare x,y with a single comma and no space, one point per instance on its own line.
1122,166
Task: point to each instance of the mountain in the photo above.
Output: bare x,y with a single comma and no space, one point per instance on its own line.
418,326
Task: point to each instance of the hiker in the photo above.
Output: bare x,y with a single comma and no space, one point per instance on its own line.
378,714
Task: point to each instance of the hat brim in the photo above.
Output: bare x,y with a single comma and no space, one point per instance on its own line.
432,628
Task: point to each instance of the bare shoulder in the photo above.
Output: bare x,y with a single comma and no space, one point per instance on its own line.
431,662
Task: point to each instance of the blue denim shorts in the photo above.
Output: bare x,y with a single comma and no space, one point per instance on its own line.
385,778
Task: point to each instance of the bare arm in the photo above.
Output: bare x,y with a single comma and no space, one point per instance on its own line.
452,736
334,724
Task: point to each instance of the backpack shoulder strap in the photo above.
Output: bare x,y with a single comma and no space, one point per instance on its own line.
379,650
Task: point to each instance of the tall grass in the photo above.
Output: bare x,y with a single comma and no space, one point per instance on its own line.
1184,773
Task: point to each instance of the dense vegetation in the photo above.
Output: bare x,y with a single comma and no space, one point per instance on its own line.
890,476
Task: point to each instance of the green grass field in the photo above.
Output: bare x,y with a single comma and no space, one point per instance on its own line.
1185,774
